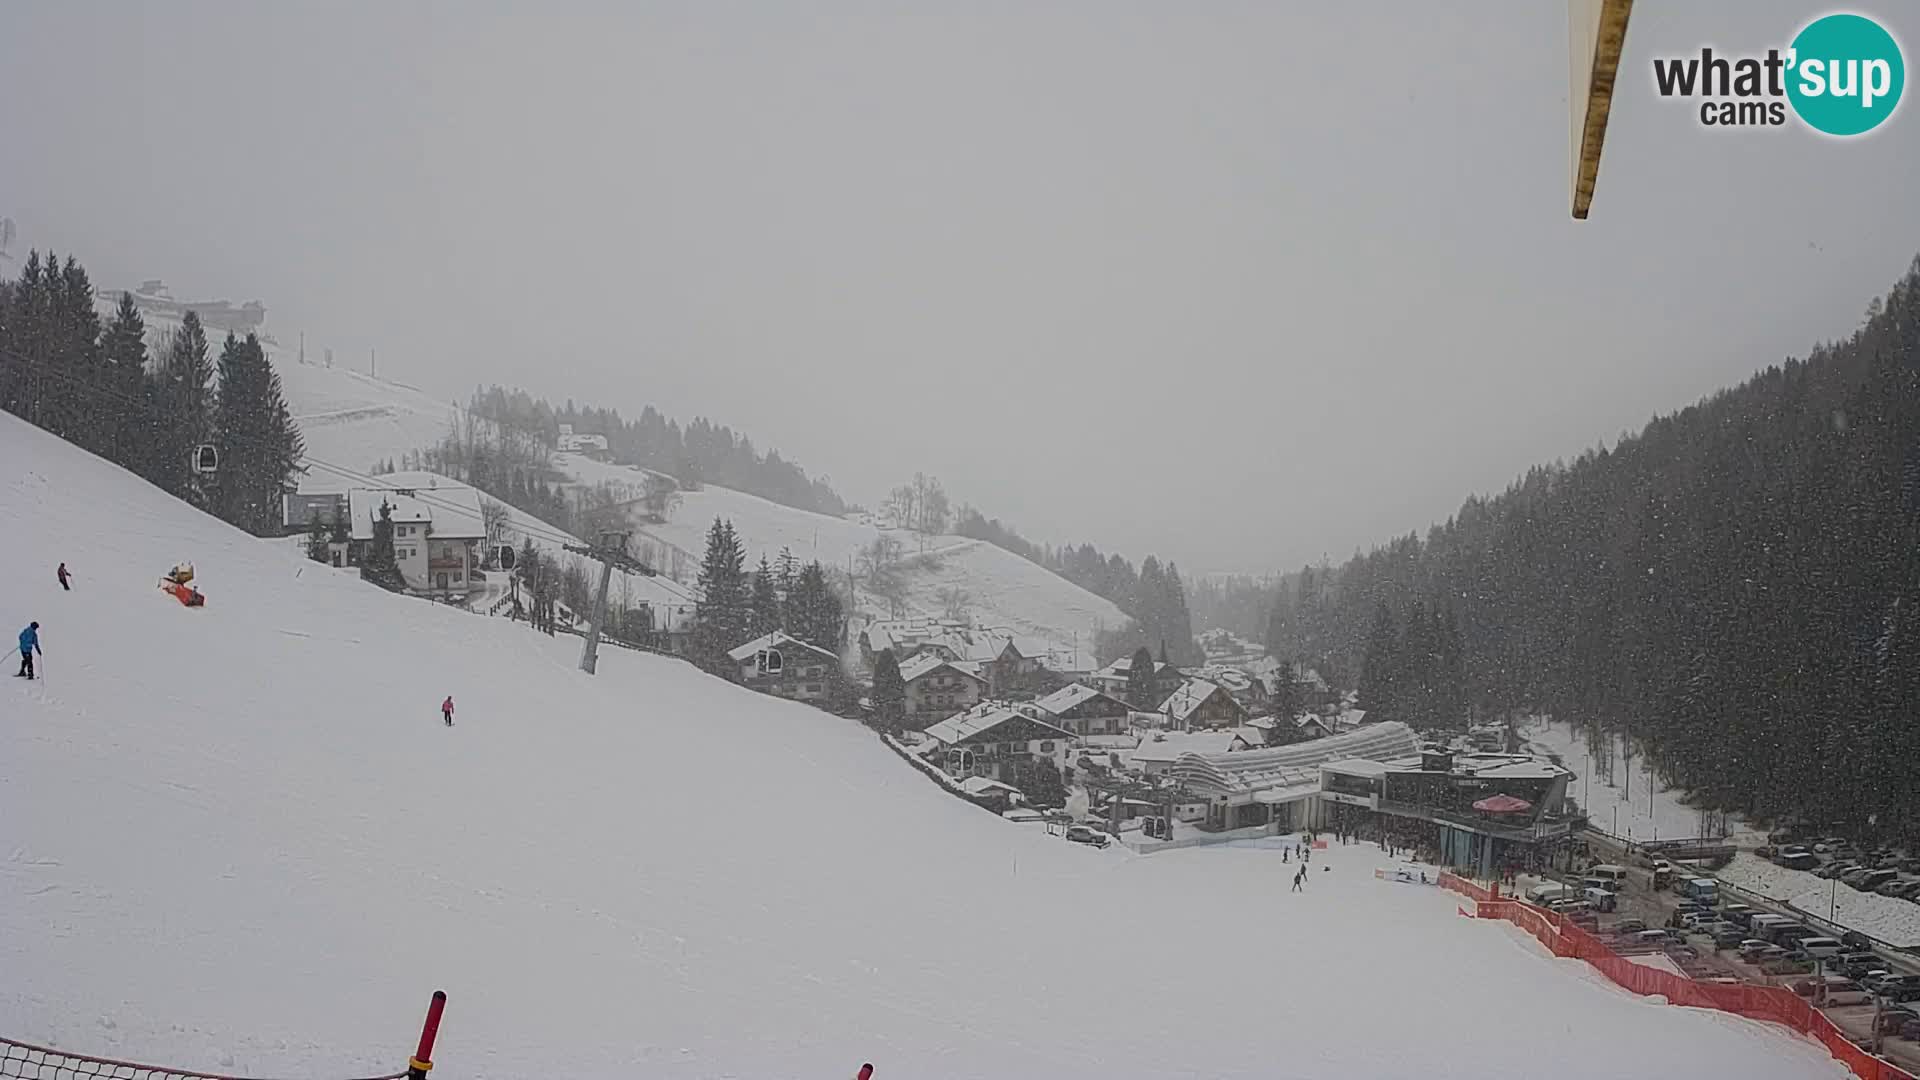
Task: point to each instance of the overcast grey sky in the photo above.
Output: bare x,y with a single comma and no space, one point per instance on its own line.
1238,283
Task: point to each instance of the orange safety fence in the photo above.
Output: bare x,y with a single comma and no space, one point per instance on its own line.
1773,1004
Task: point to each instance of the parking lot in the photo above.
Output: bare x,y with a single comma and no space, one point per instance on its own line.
1696,953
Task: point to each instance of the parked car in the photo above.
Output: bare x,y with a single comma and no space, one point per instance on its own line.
1857,941
1893,1019
1820,948
1832,870
1798,860
1847,992
1752,948
1082,834
1805,987
1728,936
1899,993
1854,877
1785,965
1826,845
1738,914
1873,879
1899,887
1629,926
1877,981
1857,964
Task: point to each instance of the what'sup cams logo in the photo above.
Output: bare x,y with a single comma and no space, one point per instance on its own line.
1842,76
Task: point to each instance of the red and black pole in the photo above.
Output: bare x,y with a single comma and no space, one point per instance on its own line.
422,1060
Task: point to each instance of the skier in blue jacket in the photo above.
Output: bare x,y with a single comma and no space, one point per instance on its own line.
29,644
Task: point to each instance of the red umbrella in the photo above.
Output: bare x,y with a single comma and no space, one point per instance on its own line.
1503,804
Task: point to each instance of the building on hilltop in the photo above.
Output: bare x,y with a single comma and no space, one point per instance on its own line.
589,446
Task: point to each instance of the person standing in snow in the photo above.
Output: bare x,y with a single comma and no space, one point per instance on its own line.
29,644
1297,875
446,710
63,575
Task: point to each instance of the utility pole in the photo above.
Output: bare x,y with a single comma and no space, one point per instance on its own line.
610,552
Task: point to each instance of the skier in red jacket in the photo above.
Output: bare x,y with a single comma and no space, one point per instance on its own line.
446,710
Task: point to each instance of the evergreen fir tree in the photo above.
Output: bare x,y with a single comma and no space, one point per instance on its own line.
1143,691
258,442
380,565
124,351
1378,672
181,411
814,610
889,693
723,613
763,602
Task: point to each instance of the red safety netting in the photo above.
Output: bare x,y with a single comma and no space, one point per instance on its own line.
1773,1004
29,1062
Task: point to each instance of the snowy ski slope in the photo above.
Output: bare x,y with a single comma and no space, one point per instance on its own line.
239,838
1003,589
351,420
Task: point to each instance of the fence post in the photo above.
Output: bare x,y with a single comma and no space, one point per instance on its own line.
422,1060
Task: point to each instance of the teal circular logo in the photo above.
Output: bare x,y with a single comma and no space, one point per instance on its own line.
1846,74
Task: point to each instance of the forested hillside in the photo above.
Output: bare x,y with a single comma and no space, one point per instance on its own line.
1737,586
702,452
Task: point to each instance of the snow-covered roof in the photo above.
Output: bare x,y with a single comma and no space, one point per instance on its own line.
980,785
775,640
1071,695
1174,745
1358,767
1508,767
927,663
985,717
1254,737
1290,766
1192,694
1123,667
1110,742
450,507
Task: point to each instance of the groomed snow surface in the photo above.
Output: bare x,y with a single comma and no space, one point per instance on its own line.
239,838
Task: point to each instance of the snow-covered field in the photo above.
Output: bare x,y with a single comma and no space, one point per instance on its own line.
1003,589
1896,922
1653,812
239,838
350,421
353,420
